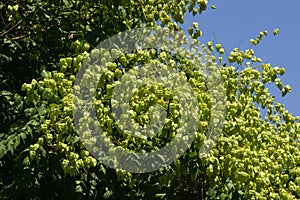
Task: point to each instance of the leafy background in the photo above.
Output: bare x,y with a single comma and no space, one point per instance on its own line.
43,44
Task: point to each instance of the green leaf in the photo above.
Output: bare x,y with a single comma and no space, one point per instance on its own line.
107,194
23,135
2,151
26,161
78,189
43,151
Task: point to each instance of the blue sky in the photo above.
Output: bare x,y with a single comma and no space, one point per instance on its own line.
234,22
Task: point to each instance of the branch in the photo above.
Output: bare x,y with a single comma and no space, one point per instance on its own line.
43,30
36,32
12,28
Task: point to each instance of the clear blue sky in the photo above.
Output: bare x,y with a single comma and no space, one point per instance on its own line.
234,22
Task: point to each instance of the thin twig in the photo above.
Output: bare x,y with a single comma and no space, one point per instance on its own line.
12,28
36,32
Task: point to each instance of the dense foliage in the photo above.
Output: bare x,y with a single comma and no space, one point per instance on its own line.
43,44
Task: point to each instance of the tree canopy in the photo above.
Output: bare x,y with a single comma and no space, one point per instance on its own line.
43,46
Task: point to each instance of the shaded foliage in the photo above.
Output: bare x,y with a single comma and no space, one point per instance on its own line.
42,46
